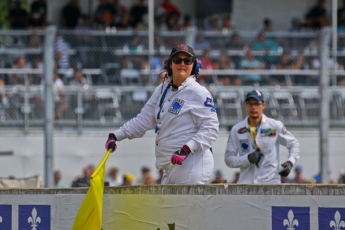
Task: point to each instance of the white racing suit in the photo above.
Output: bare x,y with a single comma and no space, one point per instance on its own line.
186,116
271,134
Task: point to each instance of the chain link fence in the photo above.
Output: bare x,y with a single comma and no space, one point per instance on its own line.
109,75
103,78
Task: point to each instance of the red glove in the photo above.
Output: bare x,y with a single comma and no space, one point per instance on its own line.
110,144
180,155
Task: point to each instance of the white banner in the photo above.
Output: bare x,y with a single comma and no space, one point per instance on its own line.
178,212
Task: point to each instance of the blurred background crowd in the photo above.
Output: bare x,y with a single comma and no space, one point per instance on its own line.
113,38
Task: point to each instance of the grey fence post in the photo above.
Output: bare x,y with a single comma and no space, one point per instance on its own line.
49,105
324,104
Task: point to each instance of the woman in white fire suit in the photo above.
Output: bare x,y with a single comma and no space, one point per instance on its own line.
183,115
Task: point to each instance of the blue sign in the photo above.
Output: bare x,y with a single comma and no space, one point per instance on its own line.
290,218
34,217
332,218
6,217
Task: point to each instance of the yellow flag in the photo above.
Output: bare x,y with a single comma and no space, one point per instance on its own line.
89,216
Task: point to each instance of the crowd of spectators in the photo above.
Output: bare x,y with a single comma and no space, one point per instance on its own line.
114,177
113,13
74,52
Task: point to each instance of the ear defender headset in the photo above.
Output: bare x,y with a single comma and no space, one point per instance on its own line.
197,66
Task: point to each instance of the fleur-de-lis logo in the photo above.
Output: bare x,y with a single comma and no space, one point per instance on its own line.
34,219
337,224
290,222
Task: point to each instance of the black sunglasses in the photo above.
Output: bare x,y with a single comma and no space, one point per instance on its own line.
187,61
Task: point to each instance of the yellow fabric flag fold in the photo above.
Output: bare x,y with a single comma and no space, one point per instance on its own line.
89,216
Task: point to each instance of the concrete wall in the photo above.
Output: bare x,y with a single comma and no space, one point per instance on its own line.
174,207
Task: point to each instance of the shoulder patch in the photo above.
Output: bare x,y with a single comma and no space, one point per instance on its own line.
209,103
284,130
242,130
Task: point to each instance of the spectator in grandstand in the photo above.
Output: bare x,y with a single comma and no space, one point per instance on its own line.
61,49
79,80
212,24
269,45
38,14
315,64
235,42
119,10
18,16
84,181
295,42
160,176
58,183
236,177
201,43
302,63
163,10
136,14
185,121
296,25
21,78
123,23
341,17
35,42
82,32
318,15
308,24
171,22
299,179
341,179
37,78
146,177
89,99
313,45
249,62
253,145
225,63
218,178
285,62
61,104
113,178
35,58
128,179
208,64
267,25
104,15
186,23
4,99
70,15
226,23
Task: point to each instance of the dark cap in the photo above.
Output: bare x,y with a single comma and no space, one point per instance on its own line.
182,48
255,94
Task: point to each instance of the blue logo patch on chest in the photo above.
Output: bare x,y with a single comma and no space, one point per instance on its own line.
176,106
244,143
209,103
